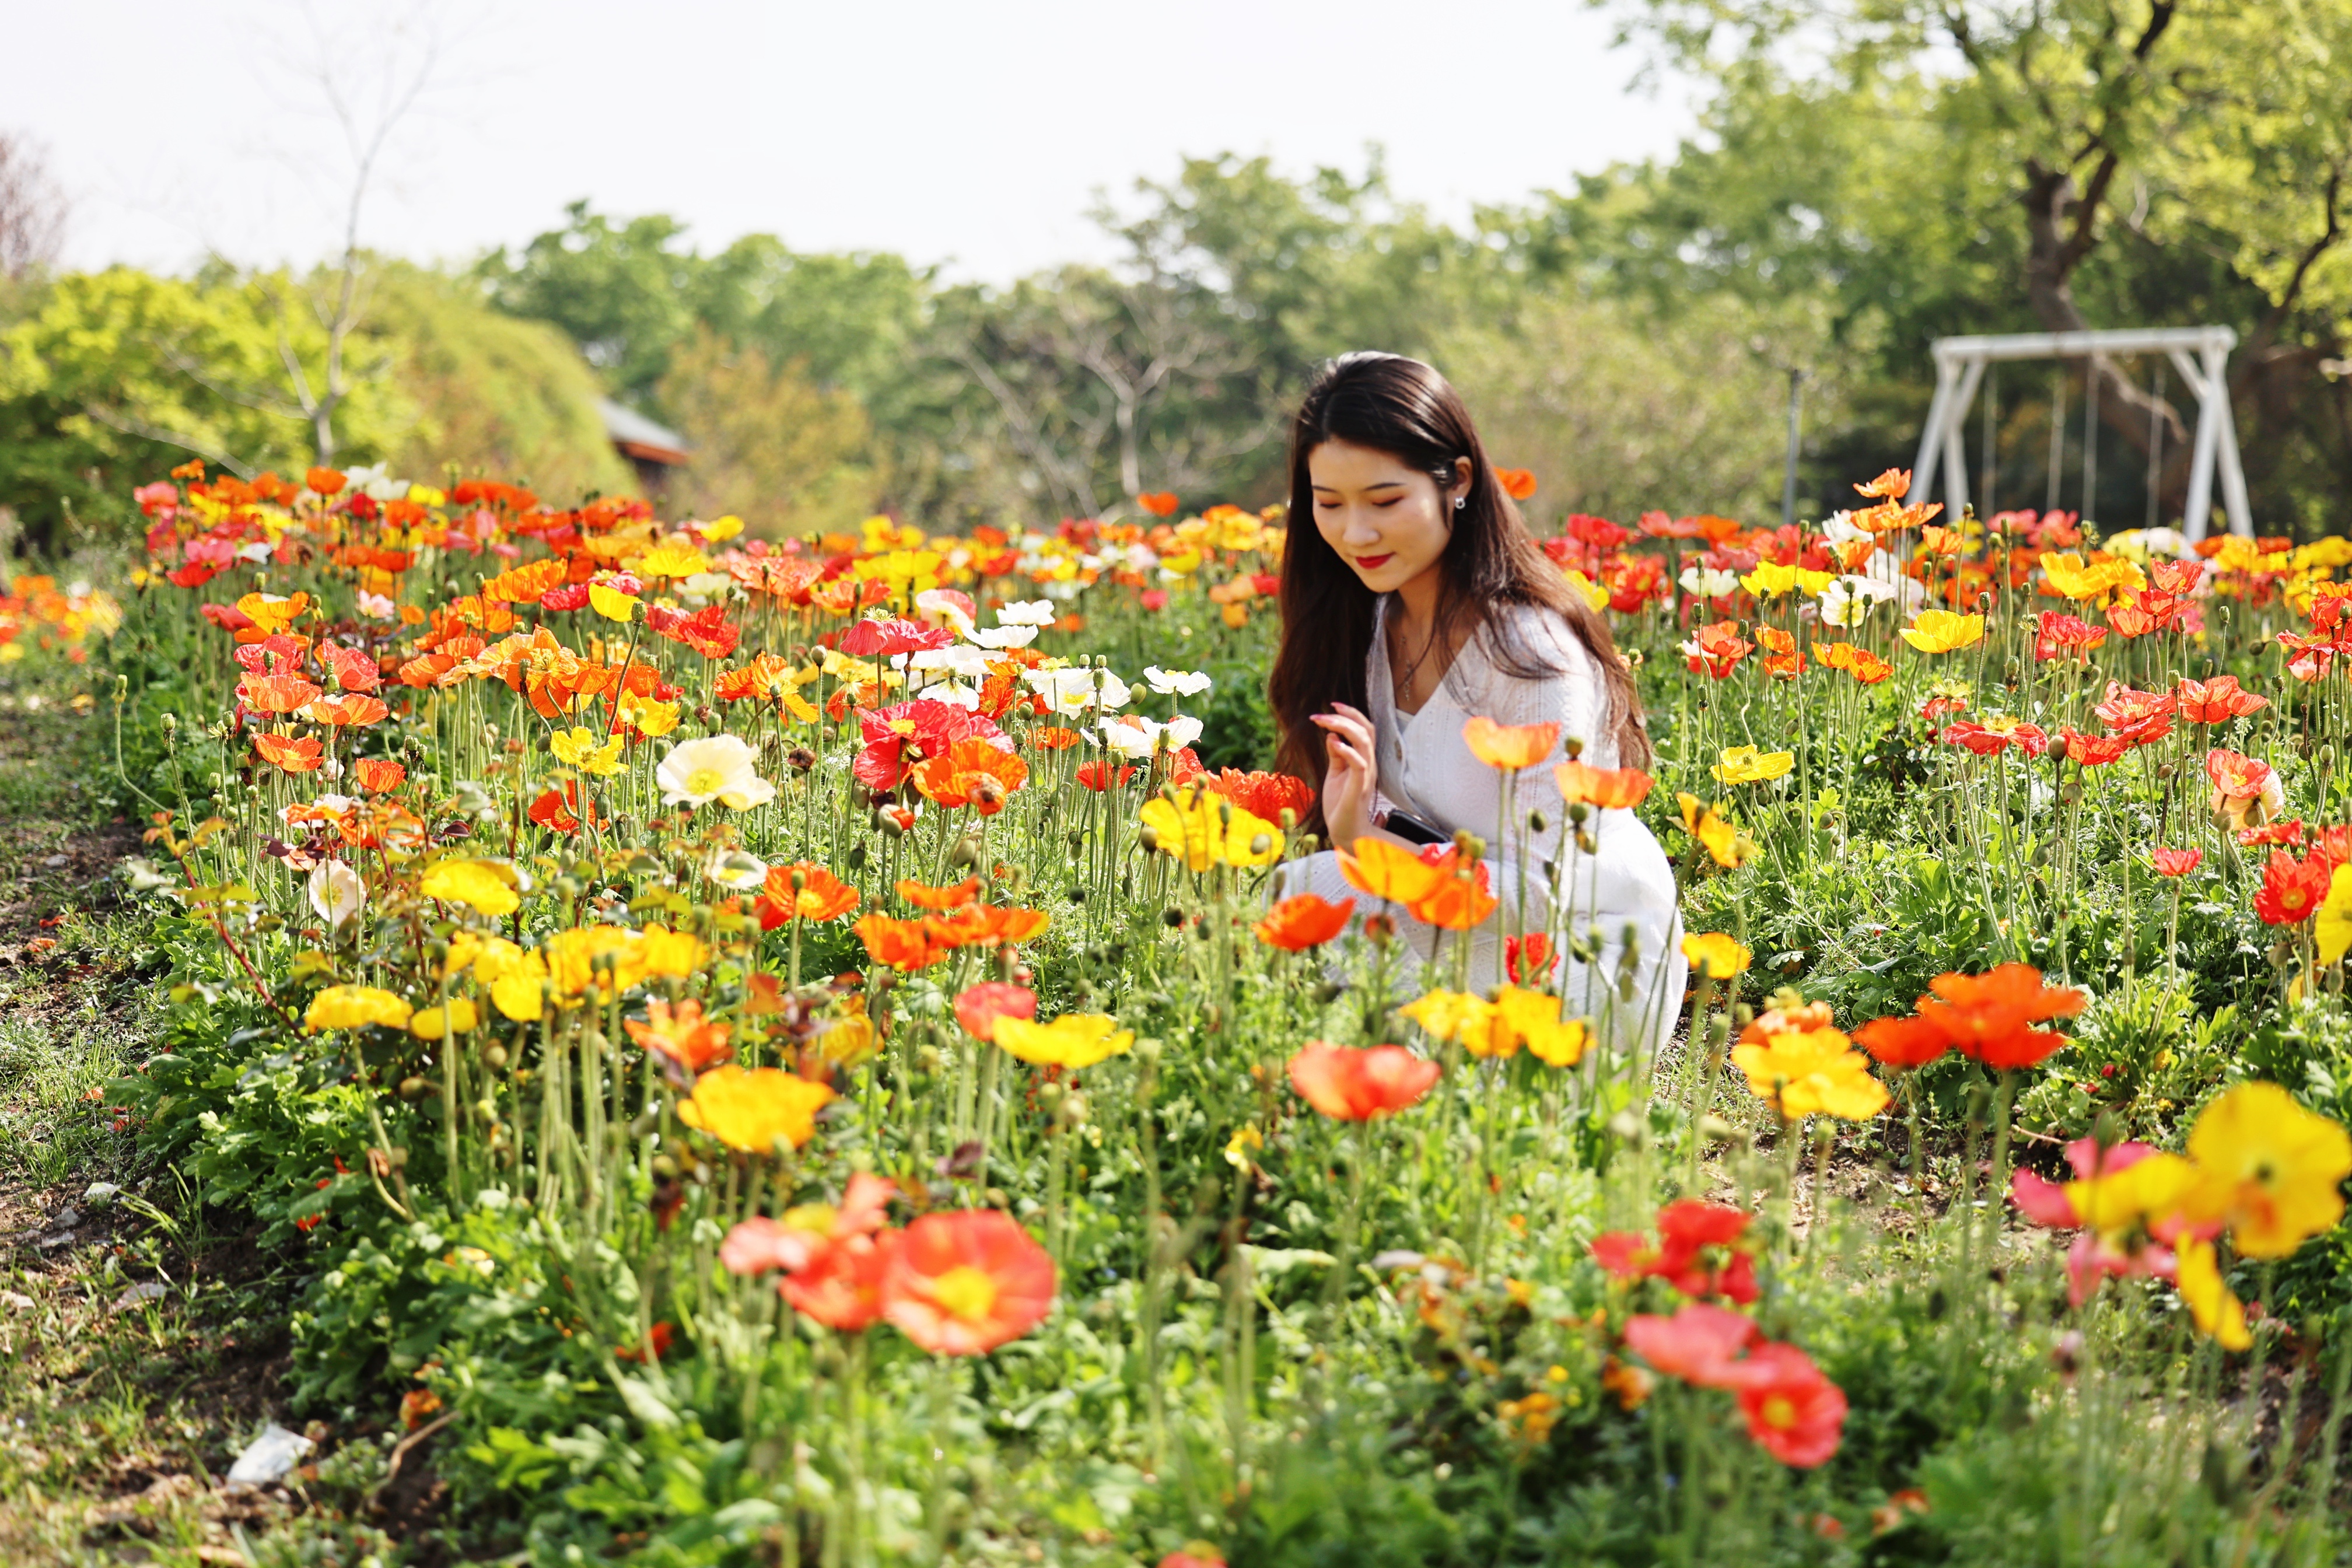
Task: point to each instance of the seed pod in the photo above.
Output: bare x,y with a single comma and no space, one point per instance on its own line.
412,1089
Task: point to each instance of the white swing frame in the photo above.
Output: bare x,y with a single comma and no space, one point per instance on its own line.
1960,366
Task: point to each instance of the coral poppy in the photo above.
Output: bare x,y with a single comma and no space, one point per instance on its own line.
1306,921
1349,1084
2092,751
2175,862
1996,733
1701,1344
751,1109
1072,1041
346,707
2245,791
1606,788
2138,718
963,1283
1794,1413
1101,776
985,925
1508,748
979,1007
2061,636
2218,700
1054,738
682,1034
1697,1252
560,809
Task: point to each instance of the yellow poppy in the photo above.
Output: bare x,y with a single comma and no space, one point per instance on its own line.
581,748
1715,955
351,1006
2268,1168
1942,631
1802,1071
751,1108
485,888
1074,1040
1203,829
1748,765
1725,844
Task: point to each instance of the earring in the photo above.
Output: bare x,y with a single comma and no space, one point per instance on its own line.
1461,501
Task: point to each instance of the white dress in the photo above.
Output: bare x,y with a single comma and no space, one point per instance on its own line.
1622,887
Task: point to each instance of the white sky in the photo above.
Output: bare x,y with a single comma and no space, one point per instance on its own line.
975,135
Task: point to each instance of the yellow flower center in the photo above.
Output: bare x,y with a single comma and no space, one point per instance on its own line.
705,781
1778,1411
966,1293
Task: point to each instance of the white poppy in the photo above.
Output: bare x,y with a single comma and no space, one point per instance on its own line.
1074,689
1032,613
1135,738
336,891
1839,528
739,869
1708,581
1176,682
1005,636
718,767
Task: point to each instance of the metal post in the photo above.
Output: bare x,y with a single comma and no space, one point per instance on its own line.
2057,441
1788,475
2091,436
1990,462
1955,452
1931,436
2209,444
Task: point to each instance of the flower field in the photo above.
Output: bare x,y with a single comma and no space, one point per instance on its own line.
782,1053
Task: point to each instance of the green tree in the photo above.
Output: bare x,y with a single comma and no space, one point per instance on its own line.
770,447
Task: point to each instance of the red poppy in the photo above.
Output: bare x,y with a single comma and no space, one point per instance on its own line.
1349,1084
963,1283
1529,959
1101,776
2218,700
560,808
1716,650
1263,795
1795,1413
1990,739
2292,890
2289,832
2061,636
1697,1251
2176,862
843,1286
2092,751
2136,716
1903,1042
1306,921
2332,846
887,638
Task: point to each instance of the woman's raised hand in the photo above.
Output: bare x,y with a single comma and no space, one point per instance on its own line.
1352,774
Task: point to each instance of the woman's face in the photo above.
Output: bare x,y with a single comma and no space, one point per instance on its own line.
1388,521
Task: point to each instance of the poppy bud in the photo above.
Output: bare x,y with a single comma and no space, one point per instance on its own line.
1573,747
800,757
413,1088
1379,929
1585,842
1535,822
494,1057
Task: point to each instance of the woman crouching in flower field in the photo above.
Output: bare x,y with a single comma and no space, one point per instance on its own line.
1430,654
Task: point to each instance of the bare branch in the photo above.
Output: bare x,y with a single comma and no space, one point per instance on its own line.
115,419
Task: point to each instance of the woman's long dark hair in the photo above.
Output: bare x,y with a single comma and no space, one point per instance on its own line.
1403,408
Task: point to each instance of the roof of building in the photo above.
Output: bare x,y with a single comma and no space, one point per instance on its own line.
639,436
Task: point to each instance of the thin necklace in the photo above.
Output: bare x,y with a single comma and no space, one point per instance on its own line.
1403,683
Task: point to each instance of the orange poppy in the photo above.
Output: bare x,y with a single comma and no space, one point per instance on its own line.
1517,483
1461,898
681,1034
972,772
1389,871
1159,503
1053,738
1351,1085
984,925
820,896
348,707
1509,747
1308,920
964,1282
1608,788
761,679
295,756
322,481
1990,1017
902,945
278,693
378,775
925,897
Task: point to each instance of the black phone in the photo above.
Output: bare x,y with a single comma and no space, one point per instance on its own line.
1413,830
